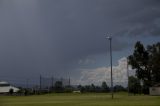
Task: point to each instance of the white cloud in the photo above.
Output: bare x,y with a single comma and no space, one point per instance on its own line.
98,75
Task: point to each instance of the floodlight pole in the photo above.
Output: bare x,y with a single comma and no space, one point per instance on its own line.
40,83
110,41
128,76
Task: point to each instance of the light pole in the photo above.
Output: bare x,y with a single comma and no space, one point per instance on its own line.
128,76
110,41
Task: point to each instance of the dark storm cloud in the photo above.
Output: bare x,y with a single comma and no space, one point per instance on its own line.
145,21
47,36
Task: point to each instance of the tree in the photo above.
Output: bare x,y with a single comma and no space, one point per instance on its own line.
134,85
104,87
118,88
58,87
11,91
139,62
154,61
89,88
92,88
68,89
146,62
81,88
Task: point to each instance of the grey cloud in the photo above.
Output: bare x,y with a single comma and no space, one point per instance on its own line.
144,21
48,36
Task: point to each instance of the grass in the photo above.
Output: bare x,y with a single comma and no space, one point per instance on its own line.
92,99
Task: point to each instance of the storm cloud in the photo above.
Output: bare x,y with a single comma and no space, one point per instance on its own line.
56,37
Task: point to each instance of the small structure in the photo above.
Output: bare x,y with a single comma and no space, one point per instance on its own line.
5,87
155,90
77,91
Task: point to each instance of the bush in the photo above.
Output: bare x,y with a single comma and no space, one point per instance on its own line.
11,91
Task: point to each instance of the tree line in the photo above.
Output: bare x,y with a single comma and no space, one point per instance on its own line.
103,88
58,87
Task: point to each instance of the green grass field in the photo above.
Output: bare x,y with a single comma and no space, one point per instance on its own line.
95,99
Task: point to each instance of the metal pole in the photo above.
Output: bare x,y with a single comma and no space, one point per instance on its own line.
40,83
52,82
69,82
27,83
128,77
110,39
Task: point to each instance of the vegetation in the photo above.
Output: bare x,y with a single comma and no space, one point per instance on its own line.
85,99
60,88
119,88
146,62
134,85
11,91
100,89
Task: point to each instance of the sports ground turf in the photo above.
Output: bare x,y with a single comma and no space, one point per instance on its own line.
94,99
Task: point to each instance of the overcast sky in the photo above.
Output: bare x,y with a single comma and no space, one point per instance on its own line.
65,38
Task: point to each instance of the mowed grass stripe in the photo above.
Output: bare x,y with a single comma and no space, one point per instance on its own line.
95,99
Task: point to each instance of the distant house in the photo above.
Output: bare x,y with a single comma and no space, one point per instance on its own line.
155,90
5,87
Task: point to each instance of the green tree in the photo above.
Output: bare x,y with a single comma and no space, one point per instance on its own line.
134,85
139,61
146,62
68,89
154,62
92,88
58,87
118,88
104,87
11,91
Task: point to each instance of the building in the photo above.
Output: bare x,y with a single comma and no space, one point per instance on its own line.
155,90
5,87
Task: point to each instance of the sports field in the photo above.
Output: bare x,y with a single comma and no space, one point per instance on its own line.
95,99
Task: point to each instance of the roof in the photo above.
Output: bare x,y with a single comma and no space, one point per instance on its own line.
3,82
